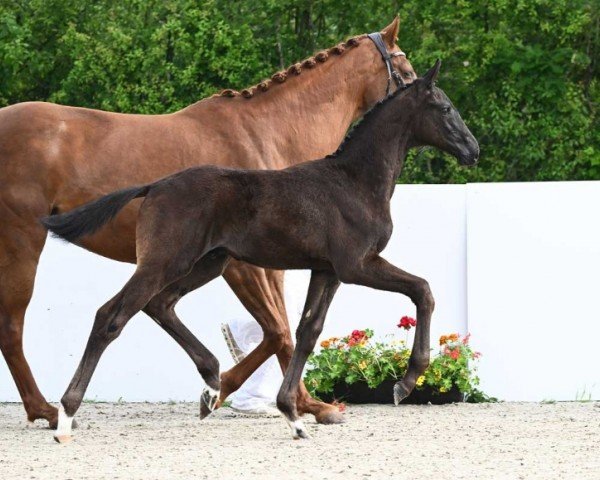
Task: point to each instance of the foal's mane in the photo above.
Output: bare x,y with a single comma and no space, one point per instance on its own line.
295,69
367,116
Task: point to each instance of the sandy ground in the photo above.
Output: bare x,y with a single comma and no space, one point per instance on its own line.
164,441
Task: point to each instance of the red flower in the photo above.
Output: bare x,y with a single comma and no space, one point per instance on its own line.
358,334
407,323
465,340
454,354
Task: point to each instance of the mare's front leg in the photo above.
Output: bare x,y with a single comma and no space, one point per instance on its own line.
375,272
321,290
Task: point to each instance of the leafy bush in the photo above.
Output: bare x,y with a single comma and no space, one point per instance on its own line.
524,73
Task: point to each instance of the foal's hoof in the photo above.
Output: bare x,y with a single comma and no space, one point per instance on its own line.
54,425
400,393
63,438
65,425
330,417
208,401
298,430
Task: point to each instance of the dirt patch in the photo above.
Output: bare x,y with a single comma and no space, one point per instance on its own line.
147,441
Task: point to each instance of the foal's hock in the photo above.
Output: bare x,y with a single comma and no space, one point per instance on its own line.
331,216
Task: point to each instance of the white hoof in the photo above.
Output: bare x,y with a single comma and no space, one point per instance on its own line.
298,429
63,433
208,400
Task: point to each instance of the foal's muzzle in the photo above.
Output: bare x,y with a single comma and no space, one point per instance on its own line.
469,155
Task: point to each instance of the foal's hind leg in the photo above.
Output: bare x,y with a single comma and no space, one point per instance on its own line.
162,310
111,318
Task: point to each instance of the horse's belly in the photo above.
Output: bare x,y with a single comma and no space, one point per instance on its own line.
116,240
279,252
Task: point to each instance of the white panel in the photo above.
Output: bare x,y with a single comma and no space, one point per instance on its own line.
533,276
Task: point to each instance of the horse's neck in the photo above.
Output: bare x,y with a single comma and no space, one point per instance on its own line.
304,118
375,155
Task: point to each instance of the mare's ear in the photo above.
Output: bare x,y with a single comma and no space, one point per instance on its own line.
390,33
431,76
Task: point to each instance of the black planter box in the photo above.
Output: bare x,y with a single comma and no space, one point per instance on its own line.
359,392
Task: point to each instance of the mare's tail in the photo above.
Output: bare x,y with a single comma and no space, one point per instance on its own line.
88,218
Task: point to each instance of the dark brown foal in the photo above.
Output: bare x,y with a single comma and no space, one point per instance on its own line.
331,216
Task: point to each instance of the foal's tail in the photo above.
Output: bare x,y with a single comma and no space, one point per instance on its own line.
88,218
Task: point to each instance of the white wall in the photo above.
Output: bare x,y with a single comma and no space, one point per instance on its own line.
533,257
534,287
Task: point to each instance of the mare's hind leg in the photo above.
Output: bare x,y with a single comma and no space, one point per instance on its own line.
261,292
162,310
22,239
111,318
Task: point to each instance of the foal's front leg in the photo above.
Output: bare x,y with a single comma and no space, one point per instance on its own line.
261,292
321,290
375,272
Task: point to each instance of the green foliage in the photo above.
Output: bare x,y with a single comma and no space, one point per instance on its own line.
524,73
477,396
356,358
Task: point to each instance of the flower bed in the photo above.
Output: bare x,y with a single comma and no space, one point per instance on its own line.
357,369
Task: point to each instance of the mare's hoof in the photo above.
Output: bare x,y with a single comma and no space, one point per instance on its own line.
208,401
63,438
400,393
330,417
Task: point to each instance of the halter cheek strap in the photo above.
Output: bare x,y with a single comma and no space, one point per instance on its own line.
377,39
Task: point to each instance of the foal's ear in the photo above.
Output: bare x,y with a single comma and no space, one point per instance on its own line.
432,75
390,33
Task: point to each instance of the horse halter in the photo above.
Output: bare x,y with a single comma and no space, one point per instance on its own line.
387,58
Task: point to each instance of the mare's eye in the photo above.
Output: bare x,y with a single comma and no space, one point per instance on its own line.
407,74
446,110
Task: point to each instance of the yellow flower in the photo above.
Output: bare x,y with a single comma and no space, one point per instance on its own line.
443,389
420,380
362,365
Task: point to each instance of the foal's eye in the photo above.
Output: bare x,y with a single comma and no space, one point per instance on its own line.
446,110
407,74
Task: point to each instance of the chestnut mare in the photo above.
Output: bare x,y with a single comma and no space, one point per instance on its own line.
331,216
54,158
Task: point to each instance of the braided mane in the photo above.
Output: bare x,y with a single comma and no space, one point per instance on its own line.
295,69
